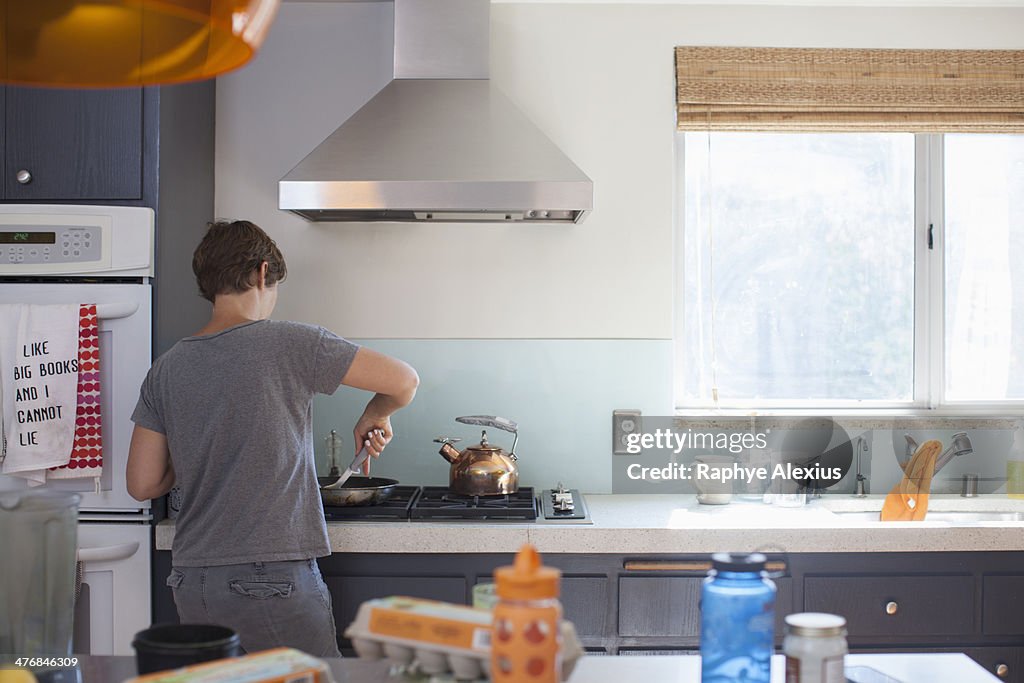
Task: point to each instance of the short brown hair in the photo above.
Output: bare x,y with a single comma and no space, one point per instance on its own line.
228,259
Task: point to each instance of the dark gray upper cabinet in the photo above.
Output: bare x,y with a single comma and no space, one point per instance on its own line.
150,146
73,144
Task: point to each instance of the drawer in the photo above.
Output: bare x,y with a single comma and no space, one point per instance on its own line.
670,605
1002,662
585,603
1003,606
895,605
659,606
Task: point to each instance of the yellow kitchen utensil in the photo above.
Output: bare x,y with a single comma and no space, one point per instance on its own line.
908,500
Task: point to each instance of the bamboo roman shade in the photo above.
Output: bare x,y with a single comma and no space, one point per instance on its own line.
812,89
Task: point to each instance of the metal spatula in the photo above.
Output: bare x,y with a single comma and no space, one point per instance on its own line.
355,468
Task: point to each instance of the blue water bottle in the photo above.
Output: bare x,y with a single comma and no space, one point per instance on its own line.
737,627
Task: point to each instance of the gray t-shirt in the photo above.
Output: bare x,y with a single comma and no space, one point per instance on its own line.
236,407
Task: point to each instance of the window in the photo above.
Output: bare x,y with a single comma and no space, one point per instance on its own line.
871,270
984,268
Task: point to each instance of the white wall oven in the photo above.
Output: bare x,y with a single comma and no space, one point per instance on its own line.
74,254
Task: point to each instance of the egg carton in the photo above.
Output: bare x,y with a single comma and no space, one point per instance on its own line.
437,639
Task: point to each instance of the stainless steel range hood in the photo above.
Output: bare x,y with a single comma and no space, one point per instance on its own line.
439,142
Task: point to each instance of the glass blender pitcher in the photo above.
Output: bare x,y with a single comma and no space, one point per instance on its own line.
39,529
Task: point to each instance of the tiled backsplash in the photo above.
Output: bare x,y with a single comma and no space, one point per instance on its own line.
561,392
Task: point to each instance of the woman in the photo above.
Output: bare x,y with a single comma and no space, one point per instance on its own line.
226,414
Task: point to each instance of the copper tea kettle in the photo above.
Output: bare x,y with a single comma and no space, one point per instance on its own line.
483,469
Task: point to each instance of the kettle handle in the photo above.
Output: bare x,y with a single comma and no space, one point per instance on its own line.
489,421
496,422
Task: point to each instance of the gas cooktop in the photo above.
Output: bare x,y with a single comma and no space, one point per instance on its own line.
438,504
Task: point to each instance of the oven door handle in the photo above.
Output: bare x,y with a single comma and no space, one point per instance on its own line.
108,553
112,311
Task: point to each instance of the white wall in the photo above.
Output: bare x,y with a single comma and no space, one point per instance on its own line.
473,306
598,79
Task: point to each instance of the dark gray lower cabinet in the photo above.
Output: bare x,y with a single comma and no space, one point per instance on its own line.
897,607
1003,606
659,606
586,598
348,592
668,606
902,602
923,602
1004,662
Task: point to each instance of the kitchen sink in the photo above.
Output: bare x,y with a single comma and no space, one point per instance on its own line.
954,518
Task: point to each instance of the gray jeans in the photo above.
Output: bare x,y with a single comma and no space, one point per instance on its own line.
269,604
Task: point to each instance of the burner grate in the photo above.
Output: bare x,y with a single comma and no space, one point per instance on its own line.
438,503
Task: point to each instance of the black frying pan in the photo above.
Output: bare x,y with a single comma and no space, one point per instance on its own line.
357,491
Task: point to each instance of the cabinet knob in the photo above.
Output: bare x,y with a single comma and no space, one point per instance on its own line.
1002,671
892,607
24,177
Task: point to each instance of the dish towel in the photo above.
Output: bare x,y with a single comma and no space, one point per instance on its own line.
908,500
39,376
87,450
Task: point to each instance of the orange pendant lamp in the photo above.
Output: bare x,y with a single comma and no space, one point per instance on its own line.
109,43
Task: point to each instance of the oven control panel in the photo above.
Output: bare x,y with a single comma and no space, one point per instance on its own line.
51,244
67,240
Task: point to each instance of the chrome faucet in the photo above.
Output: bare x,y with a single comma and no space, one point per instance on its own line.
960,445
861,447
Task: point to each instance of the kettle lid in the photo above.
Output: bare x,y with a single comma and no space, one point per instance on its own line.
484,445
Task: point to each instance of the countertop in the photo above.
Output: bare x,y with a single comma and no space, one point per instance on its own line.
906,668
678,524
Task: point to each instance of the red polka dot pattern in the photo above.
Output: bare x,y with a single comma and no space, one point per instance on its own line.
535,667
87,451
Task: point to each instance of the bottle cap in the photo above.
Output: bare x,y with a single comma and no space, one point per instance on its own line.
527,578
729,562
816,624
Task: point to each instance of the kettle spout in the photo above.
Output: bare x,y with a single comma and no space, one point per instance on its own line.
449,452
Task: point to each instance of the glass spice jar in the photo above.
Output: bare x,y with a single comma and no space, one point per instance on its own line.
815,648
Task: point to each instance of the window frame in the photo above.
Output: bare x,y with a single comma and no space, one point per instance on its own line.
929,367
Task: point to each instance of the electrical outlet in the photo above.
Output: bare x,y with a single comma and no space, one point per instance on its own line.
624,423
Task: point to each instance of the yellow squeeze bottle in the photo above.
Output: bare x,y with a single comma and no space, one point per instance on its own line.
1015,466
